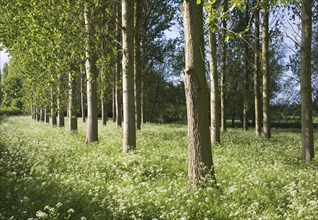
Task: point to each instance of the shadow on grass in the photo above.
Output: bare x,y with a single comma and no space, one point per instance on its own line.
22,193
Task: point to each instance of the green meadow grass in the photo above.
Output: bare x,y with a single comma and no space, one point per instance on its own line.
50,173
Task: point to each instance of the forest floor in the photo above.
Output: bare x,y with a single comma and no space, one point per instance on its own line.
50,172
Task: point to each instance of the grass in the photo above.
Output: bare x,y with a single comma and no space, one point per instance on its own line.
51,173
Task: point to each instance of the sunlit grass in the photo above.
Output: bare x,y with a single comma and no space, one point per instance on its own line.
49,171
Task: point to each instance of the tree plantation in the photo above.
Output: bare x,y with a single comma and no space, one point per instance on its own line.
145,109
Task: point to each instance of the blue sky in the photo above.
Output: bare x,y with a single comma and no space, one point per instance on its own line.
3,58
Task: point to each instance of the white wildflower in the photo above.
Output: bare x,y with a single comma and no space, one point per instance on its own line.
41,214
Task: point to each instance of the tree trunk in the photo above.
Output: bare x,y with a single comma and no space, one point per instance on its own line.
104,110
137,74
83,91
47,115
91,74
60,104
129,129
33,112
223,68
118,70
53,109
245,98
246,71
257,97
265,70
215,119
114,98
142,107
305,82
42,115
200,162
72,112
38,115
60,122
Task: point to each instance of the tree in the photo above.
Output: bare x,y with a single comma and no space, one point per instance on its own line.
305,81
129,127
215,110
118,68
72,102
214,91
265,72
223,68
91,73
200,162
257,96
246,68
137,73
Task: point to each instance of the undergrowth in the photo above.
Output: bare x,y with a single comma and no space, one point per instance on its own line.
50,173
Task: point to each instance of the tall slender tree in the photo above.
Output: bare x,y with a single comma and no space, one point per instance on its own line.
246,70
129,127
305,81
60,103
215,109
53,108
91,73
223,67
265,71
118,68
200,162
137,73
257,96
83,93
72,104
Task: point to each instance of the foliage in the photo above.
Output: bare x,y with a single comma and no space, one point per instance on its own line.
11,110
41,166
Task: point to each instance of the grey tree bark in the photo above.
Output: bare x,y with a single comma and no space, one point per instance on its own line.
60,104
137,73
42,114
33,112
246,72
83,92
72,104
38,115
215,109
53,109
104,109
257,96
223,68
91,74
47,114
114,97
305,82
118,69
129,127
265,72
200,162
